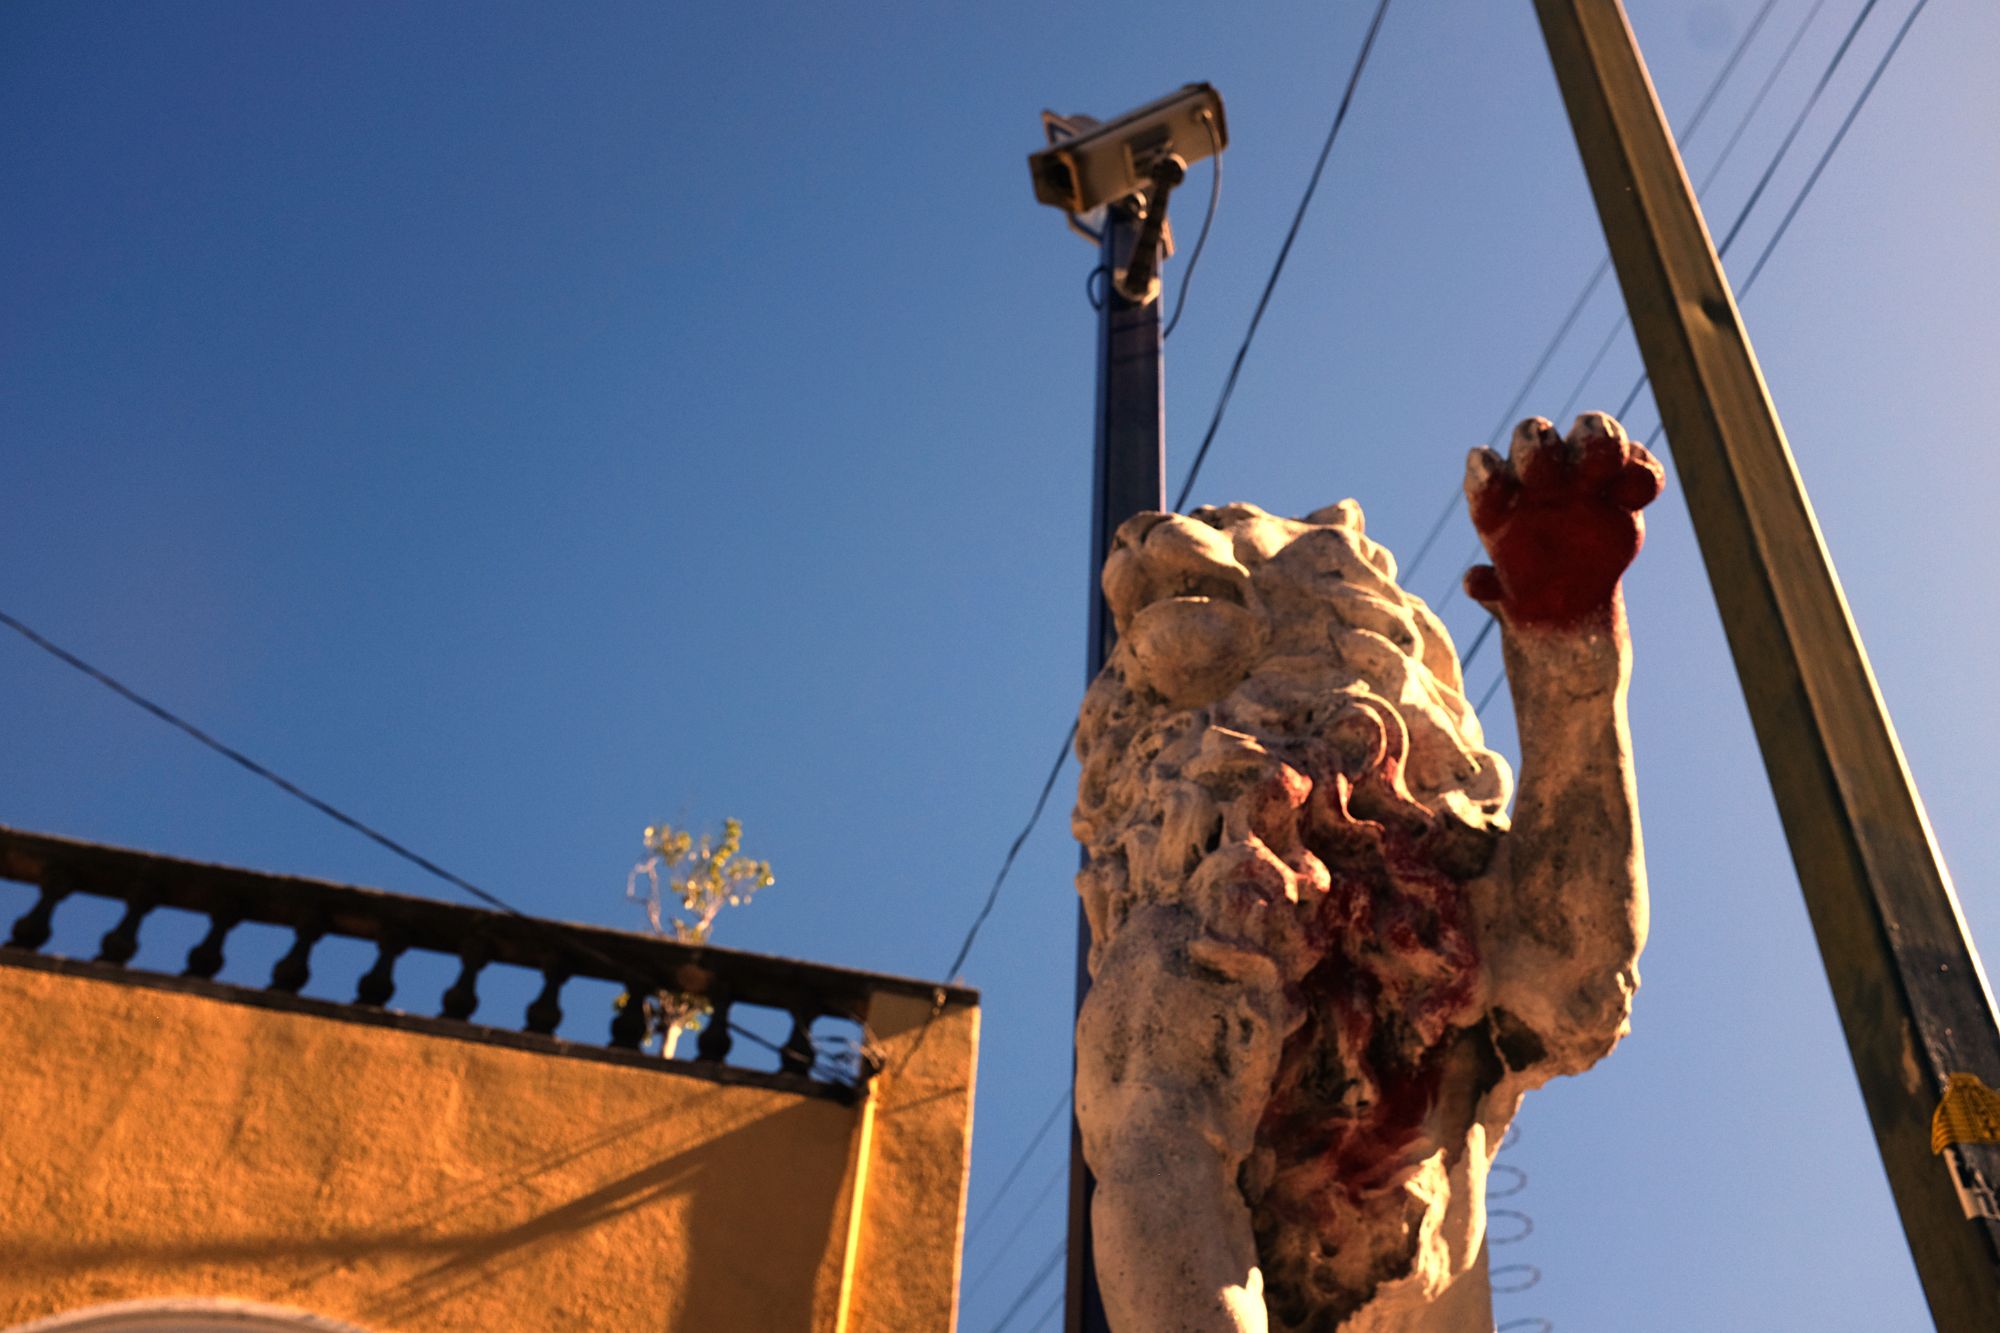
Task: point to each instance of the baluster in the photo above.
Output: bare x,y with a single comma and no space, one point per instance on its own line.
867,1062
122,940
32,931
463,997
546,1012
205,959
295,968
797,1055
715,1040
378,983
628,1025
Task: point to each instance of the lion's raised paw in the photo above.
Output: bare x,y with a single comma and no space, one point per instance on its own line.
1559,517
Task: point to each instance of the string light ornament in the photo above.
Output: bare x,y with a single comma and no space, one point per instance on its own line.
685,883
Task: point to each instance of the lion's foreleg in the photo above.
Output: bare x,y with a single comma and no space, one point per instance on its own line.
1177,1047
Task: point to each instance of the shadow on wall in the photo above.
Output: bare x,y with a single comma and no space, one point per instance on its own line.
746,1245
729,1231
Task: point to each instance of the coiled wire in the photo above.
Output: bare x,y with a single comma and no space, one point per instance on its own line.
1515,1278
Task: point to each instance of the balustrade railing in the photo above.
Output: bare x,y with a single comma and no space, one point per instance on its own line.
477,939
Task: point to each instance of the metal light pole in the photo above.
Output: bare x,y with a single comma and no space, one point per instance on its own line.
1908,985
1128,477
1123,170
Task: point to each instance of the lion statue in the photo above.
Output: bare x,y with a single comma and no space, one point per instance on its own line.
1326,965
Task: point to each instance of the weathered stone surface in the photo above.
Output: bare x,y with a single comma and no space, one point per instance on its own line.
1325,967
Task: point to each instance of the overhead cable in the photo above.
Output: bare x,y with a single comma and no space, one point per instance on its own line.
1826,156
1798,200
1058,1173
1034,1284
1284,251
1034,1142
1701,191
1007,864
242,760
331,811
1791,135
1207,220
1507,418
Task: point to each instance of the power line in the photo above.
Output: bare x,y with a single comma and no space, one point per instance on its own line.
242,760
1791,212
1207,219
1590,285
331,811
1491,690
1041,1276
1284,251
1453,502
1771,169
993,894
1840,134
1055,1177
1819,167
1714,170
1478,642
1507,417
1764,180
993,1205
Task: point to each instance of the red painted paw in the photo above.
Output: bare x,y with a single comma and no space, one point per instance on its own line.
1559,519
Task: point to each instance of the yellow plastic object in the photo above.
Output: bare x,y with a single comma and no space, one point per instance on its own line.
1969,1113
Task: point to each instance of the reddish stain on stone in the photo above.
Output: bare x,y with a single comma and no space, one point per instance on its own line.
1398,972
1563,525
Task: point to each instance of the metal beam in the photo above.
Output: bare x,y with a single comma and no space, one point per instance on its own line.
1907,983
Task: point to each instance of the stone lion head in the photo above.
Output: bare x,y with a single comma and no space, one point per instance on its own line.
1286,627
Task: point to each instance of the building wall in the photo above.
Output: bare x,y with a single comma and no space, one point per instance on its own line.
160,1143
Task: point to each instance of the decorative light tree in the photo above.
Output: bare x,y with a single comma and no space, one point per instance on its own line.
688,882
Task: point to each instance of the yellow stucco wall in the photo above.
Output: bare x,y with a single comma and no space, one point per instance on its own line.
159,1143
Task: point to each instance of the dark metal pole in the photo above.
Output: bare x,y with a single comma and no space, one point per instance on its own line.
1128,478
1906,980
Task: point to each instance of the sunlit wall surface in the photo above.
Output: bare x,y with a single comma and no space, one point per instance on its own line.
166,1144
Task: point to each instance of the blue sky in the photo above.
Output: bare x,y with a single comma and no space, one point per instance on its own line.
520,425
